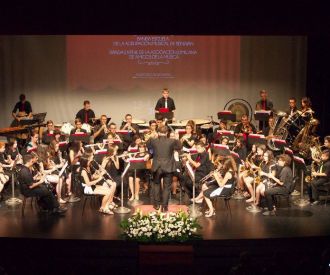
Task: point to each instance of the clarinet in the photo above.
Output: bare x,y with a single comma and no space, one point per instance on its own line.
103,170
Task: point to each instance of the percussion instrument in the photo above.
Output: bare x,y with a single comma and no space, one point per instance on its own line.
177,125
198,121
66,128
139,121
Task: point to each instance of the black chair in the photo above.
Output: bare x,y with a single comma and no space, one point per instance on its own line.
93,200
226,198
325,191
284,199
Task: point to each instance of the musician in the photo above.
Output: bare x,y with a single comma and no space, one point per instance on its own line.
132,129
283,181
31,187
213,137
49,131
160,121
111,164
267,166
12,151
96,184
267,131
78,128
165,102
22,108
326,144
252,166
292,106
240,148
244,128
221,183
320,178
5,161
86,114
4,179
189,138
264,104
33,143
201,165
139,175
101,131
163,165
113,133
306,109
152,133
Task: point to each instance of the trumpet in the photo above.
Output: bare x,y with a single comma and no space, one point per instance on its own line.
210,176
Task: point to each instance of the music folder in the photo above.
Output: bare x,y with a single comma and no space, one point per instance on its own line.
226,115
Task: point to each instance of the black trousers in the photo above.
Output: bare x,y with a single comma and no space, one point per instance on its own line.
269,193
47,198
161,198
313,188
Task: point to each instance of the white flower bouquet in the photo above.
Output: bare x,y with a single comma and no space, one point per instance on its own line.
160,227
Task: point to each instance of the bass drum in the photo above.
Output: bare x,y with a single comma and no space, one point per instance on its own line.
66,128
239,107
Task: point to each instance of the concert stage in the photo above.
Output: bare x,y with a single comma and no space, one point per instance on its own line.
92,242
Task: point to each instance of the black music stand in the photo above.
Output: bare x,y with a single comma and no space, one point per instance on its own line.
99,155
84,137
167,115
254,138
220,150
236,157
280,143
226,115
39,117
262,115
226,133
136,164
300,165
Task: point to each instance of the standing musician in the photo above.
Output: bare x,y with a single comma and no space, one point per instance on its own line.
189,138
140,174
221,183
292,107
31,187
78,128
264,104
163,165
101,131
165,102
132,129
48,131
201,165
319,178
96,184
22,109
267,166
86,114
283,181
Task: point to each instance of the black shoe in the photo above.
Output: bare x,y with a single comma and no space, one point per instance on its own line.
58,211
156,206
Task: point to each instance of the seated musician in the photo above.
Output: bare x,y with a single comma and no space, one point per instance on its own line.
189,138
319,178
33,143
132,129
13,153
140,174
220,183
49,131
268,130
112,130
165,102
4,179
292,107
159,121
5,160
240,148
282,180
306,109
244,128
78,128
214,136
251,165
326,144
264,104
86,114
101,131
96,184
201,165
267,166
152,133
31,187
22,109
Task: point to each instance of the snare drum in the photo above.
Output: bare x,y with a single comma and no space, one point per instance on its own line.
66,128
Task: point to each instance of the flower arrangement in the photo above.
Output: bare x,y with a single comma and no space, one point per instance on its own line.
160,227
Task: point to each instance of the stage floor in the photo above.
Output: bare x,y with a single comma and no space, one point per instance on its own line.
309,221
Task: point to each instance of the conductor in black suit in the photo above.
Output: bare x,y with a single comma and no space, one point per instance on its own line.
163,165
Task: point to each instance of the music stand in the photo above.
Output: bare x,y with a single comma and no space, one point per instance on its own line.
262,115
226,115
136,164
279,143
168,115
300,164
40,117
289,152
219,149
227,133
255,138
83,137
236,157
63,146
99,155
13,200
121,209
195,213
